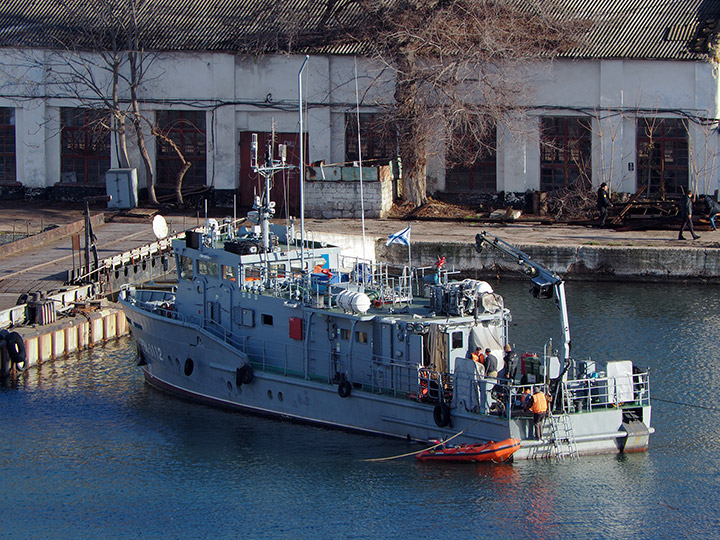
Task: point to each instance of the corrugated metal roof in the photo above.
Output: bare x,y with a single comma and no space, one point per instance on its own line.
655,29
658,29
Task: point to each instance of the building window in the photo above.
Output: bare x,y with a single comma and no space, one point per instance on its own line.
471,164
376,136
662,156
7,145
565,147
187,130
84,146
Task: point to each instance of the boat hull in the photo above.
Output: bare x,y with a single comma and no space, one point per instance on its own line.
167,344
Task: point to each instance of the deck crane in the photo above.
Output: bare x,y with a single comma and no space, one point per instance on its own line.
544,281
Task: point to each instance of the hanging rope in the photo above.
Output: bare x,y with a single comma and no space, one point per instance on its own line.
424,449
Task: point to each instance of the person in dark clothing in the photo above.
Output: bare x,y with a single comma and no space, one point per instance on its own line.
712,209
686,205
603,203
491,364
511,362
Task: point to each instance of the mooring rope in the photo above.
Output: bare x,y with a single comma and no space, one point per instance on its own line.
441,443
693,405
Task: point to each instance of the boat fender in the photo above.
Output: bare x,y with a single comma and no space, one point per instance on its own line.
189,366
344,388
441,414
141,360
246,374
16,347
5,362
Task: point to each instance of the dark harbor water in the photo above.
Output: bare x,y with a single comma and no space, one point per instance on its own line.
89,451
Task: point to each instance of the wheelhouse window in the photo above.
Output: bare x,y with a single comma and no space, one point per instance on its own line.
84,146
662,156
565,149
186,130
228,272
206,268
267,319
377,137
7,145
186,267
471,163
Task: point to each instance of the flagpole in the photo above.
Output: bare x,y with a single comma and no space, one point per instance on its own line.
409,268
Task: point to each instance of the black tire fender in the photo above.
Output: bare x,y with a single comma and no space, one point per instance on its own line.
5,362
344,388
16,348
245,375
441,414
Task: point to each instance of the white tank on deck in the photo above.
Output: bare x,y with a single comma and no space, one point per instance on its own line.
354,301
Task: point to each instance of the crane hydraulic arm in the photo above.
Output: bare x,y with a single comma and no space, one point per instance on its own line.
544,281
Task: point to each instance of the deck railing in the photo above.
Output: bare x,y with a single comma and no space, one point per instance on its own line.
497,397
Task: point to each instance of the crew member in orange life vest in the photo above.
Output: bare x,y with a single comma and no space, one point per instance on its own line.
538,404
478,355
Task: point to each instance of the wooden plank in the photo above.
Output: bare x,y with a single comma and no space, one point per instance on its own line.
618,219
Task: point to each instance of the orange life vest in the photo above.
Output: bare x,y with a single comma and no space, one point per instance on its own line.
539,404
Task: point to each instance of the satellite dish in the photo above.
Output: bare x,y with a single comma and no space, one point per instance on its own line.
160,227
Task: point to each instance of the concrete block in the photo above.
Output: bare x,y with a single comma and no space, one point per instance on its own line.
96,330
71,339
122,327
31,351
83,335
44,347
58,343
110,326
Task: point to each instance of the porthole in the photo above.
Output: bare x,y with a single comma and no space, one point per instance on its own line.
280,396
269,394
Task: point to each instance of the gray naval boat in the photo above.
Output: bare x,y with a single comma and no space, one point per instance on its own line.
272,324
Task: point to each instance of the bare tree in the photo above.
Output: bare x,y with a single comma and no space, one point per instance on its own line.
459,67
102,64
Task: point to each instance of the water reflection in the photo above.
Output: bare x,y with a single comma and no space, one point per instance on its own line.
86,443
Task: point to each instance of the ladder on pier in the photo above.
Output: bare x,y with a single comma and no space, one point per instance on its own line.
562,436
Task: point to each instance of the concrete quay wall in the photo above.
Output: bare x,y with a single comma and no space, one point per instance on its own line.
611,263
48,342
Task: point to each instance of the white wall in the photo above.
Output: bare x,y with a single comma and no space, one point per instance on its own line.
242,94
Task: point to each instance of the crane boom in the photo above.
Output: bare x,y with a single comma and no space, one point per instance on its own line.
544,281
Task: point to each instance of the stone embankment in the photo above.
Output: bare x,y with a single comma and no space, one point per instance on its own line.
572,252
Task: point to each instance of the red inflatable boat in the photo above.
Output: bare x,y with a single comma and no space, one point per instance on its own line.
493,451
